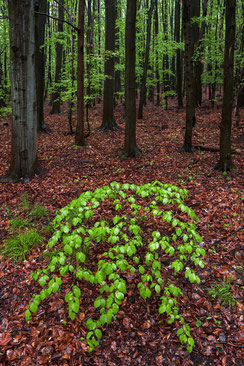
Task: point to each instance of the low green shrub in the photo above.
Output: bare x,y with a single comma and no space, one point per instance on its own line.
17,246
223,292
142,228
38,211
18,223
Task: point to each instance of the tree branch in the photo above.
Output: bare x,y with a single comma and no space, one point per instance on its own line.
60,20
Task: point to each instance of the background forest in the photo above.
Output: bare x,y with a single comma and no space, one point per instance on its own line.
121,217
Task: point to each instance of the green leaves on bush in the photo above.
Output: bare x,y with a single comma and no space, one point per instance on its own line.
133,248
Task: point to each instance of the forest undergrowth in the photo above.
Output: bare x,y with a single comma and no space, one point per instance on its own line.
213,309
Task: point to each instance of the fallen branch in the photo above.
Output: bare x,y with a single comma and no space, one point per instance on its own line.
212,148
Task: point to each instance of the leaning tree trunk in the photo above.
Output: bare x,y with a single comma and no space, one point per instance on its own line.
59,62
130,148
108,122
40,64
225,161
24,163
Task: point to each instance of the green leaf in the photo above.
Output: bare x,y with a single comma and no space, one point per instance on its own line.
33,307
80,257
27,315
98,333
68,249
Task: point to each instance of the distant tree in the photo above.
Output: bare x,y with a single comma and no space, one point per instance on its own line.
130,148
24,162
59,61
225,162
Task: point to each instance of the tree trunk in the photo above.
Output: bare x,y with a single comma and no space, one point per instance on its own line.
157,45
145,68
79,133
40,64
225,161
24,163
130,148
188,6
178,56
59,63
108,92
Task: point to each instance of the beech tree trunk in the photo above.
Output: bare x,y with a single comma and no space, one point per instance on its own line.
225,161
40,64
145,67
130,148
108,122
59,63
188,27
79,133
178,56
24,162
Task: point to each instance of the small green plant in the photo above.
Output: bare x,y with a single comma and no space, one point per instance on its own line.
25,204
18,223
222,292
17,246
38,211
131,250
199,323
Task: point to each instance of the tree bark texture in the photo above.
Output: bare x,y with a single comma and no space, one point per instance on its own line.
225,161
59,62
24,163
178,56
79,133
108,122
146,60
130,148
188,13
40,63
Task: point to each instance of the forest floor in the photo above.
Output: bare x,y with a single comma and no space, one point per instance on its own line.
135,337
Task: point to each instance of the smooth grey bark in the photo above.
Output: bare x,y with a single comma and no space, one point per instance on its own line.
24,162
225,161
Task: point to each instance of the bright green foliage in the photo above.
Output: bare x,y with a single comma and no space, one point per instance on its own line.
17,246
132,248
222,292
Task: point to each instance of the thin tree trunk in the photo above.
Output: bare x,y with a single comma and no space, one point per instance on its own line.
178,56
188,6
130,148
225,161
145,68
79,133
59,62
40,64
